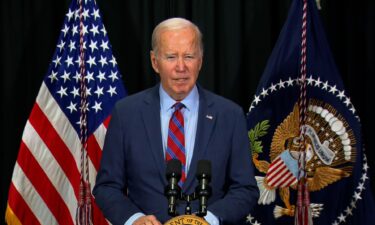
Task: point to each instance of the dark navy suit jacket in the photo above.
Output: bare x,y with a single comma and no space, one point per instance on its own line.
132,178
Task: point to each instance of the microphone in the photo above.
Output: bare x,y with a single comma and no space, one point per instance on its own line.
172,191
203,190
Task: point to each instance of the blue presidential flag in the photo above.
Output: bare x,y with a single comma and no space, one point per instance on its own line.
336,168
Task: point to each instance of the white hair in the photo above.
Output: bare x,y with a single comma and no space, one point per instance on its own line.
174,24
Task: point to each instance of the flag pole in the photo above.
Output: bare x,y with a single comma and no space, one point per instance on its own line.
83,216
303,211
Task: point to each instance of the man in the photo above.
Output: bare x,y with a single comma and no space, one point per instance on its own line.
131,180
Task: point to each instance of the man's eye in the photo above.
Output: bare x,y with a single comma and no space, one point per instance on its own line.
171,57
189,57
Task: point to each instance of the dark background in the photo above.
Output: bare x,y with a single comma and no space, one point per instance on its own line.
238,35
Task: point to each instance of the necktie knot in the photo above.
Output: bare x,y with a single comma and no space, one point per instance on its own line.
178,106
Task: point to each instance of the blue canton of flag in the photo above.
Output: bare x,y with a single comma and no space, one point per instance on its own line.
45,187
336,164
103,80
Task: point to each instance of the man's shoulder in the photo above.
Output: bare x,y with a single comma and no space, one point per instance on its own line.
135,100
220,101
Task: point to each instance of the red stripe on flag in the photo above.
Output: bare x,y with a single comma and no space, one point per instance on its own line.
280,174
294,179
286,179
106,121
272,172
273,166
20,207
94,151
56,145
285,174
43,185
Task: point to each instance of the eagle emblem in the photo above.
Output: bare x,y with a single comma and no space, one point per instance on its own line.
329,145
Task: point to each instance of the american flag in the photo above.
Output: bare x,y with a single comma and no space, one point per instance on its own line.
46,176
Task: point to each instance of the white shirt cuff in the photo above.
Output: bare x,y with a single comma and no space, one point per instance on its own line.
133,218
211,219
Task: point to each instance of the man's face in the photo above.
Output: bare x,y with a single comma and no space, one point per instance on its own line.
178,62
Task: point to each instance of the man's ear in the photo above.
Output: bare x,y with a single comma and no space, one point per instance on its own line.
154,61
200,63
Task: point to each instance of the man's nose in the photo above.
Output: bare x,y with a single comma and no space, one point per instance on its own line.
180,64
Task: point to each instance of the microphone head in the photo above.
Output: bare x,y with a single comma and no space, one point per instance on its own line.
174,168
204,169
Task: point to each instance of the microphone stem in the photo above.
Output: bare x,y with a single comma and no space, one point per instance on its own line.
188,207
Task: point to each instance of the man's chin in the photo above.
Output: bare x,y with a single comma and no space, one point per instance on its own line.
180,95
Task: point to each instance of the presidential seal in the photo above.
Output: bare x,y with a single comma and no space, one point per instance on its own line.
186,220
330,151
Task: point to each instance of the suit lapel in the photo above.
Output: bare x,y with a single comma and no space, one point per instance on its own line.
206,122
151,119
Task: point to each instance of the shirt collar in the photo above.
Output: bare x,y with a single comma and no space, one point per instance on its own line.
190,101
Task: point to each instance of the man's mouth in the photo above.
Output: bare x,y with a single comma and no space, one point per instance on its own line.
180,80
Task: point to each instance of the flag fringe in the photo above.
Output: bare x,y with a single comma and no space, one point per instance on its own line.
83,216
304,216
303,213
10,217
